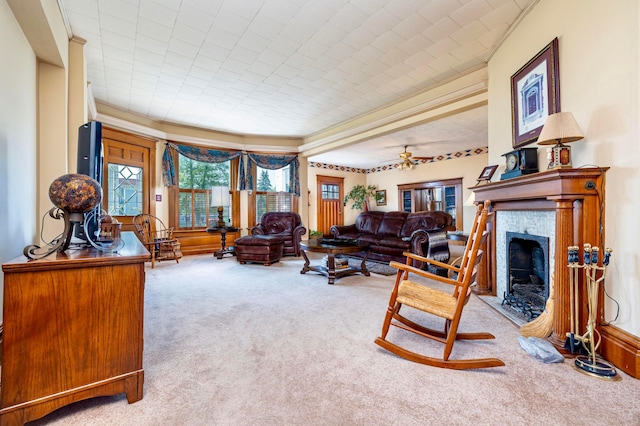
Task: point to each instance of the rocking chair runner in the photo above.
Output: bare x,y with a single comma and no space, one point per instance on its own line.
157,238
443,304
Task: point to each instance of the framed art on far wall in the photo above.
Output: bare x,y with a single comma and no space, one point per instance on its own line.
381,197
535,94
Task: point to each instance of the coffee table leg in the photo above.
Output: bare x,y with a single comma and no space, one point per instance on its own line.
331,268
363,265
305,267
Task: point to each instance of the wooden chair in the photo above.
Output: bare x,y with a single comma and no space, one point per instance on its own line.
157,238
447,305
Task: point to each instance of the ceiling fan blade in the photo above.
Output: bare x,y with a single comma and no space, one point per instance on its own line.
423,158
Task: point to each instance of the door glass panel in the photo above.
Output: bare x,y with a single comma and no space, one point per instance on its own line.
330,192
125,190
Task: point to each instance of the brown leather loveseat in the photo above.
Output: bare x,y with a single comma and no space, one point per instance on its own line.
392,233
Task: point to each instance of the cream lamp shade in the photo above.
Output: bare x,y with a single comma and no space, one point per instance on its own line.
560,128
220,197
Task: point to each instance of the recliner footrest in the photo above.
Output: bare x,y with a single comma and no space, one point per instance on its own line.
263,249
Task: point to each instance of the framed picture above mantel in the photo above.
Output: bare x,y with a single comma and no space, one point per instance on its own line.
535,94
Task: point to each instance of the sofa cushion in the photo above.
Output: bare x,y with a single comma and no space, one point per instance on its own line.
369,239
368,222
391,224
396,243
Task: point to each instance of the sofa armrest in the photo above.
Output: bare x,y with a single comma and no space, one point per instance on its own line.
432,244
336,230
257,230
298,232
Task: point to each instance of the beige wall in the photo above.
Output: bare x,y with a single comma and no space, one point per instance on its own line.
598,51
17,139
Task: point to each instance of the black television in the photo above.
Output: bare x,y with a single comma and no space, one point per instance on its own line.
90,163
90,150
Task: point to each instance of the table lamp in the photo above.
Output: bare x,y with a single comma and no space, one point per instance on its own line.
560,128
220,197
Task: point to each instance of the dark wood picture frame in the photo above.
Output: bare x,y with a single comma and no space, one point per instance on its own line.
535,94
487,173
381,197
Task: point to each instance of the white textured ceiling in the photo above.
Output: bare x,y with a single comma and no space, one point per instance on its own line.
279,67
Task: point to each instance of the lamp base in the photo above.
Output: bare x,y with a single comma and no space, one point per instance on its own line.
221,223
559,156
596,368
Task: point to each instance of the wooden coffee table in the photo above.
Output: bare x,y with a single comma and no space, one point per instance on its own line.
331,250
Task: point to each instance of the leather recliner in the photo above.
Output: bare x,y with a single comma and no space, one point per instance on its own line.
285,225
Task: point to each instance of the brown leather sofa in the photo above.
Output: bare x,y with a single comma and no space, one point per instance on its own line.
392,233
285,225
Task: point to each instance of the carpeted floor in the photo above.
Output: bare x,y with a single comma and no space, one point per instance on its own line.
379,268
231,344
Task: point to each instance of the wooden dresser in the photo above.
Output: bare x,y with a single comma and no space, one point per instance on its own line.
72,329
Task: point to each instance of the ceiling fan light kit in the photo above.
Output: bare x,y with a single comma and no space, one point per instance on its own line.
408,161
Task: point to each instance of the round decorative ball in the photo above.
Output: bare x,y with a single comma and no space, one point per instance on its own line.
75,193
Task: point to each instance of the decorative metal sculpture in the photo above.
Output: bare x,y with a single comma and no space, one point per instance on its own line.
77,199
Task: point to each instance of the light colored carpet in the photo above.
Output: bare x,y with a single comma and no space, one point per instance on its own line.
230,344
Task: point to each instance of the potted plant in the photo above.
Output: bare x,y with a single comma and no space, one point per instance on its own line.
315,234
360,195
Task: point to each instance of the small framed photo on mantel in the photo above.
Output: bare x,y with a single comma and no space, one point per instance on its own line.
487,174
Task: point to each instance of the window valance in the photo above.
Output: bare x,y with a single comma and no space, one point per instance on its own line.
269,162
194,153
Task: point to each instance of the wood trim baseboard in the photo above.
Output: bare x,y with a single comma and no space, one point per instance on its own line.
621,349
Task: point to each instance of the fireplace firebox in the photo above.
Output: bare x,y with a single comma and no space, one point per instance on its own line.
527,274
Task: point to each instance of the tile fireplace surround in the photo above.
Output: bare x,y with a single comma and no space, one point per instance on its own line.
564,205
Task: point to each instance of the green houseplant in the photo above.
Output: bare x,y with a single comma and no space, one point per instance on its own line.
315,234
360,195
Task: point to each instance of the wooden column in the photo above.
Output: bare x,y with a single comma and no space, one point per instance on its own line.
560,280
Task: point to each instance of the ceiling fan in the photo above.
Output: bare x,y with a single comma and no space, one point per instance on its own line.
408,160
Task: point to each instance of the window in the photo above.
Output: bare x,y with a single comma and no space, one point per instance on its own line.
272,192
195,179
124,190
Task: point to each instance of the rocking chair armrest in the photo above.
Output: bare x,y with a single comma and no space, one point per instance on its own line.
404,268
431,261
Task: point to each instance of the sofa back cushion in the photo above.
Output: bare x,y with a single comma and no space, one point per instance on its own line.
391,224
426,220
368,222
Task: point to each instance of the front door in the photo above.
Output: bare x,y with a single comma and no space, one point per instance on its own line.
128,176
330,202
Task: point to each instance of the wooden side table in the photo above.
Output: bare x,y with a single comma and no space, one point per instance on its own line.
223,240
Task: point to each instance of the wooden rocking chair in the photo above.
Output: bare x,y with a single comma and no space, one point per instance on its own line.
157,238
443,304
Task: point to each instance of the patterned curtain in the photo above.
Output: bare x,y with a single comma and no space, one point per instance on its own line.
194,153
270,162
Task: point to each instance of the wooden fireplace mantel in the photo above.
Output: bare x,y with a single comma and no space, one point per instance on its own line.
577,197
